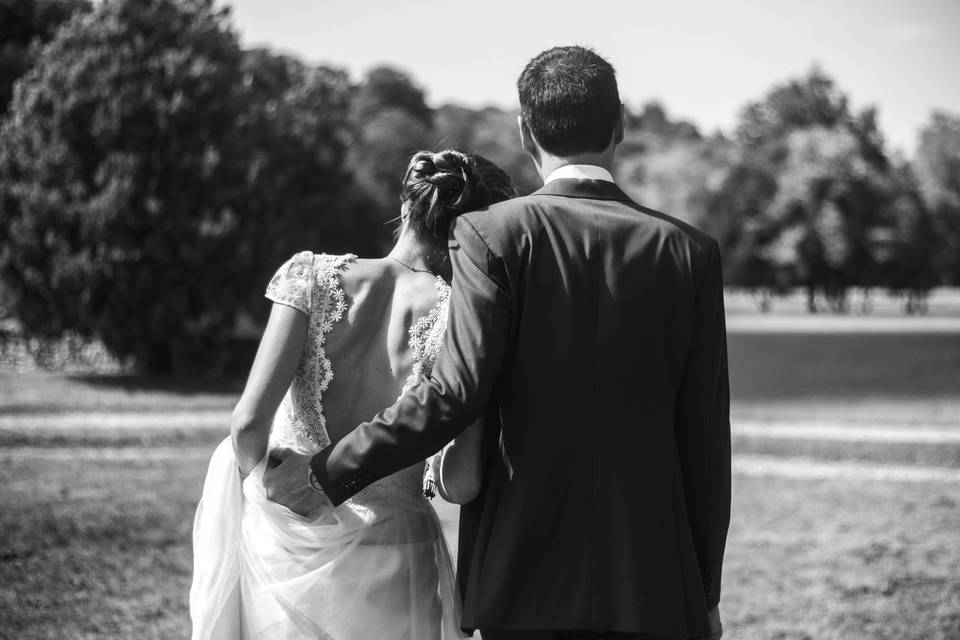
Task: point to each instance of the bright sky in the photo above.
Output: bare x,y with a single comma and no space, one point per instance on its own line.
702,59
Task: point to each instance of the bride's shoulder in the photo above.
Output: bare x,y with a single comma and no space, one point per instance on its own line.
292,284
296,264
356,272
307,263
382,276
332,260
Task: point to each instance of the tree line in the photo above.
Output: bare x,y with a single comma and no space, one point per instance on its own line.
153,173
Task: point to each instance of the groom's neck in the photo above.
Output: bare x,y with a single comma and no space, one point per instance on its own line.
550,163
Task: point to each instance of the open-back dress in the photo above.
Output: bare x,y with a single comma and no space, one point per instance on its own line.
377,566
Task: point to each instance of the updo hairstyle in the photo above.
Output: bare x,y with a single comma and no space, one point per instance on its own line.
438,187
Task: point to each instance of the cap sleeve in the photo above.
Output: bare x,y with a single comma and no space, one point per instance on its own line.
292,284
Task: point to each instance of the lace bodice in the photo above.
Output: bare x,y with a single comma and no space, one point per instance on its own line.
312,284
426,335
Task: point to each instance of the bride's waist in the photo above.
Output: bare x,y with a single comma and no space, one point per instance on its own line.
403,488
400,490
379,515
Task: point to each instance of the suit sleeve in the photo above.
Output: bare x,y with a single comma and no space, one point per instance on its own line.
436,410
703,429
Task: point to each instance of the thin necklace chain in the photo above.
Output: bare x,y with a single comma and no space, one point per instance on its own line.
404,264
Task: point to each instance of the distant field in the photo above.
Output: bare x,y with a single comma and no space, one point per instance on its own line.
100,478
852,372
878,377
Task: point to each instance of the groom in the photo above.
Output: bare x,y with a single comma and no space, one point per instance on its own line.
594,328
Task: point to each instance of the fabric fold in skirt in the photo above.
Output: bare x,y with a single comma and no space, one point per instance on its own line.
367,569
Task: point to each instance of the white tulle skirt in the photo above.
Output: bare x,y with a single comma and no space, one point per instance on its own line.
363,571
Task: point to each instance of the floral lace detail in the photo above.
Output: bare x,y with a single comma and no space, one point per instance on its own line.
300,423
426,340
426,336
332,307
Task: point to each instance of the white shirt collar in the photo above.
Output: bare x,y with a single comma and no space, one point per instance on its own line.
579,172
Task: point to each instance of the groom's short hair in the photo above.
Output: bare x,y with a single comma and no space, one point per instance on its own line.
569,100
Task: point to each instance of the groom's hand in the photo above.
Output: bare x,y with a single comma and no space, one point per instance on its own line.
287,484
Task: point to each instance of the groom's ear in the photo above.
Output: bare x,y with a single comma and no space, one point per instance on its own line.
621,125
527,141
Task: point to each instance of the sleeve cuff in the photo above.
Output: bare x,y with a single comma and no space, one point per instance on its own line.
336,492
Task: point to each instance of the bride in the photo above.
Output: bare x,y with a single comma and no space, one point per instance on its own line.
344,338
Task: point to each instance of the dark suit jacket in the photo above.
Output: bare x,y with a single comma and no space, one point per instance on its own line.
596,327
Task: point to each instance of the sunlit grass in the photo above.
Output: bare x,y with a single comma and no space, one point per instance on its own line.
104,550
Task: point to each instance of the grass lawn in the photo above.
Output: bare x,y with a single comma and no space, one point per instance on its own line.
95,522
842,560
100,549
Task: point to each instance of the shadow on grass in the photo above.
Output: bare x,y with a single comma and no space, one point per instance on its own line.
766,367
38,392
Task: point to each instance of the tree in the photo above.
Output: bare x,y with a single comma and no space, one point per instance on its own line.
904,243
829,200
291,140
810,101
494,134
826,182
743,229
385,88
152,176
669,166
937,167
390,121
654,121
25,24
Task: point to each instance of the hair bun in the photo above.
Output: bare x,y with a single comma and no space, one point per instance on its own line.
447,179
454,172
439,186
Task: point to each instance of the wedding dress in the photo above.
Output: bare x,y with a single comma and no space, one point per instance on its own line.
375,567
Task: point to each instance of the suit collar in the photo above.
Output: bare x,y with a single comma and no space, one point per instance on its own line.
592,189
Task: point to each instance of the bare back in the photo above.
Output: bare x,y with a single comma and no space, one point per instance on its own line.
370,349
370,325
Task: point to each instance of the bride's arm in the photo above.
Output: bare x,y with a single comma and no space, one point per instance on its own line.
459,475
273,369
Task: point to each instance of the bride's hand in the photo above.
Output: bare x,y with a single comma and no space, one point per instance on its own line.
287,484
